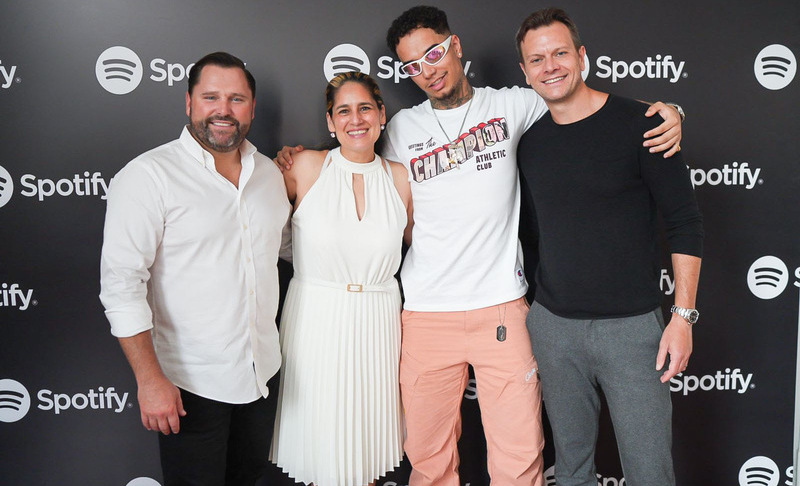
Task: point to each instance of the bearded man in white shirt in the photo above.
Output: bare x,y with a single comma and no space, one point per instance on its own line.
190,285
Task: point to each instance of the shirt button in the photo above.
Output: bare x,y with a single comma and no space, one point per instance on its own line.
244,226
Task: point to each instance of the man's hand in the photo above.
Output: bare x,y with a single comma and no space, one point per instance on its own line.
677,342
161,406
159,400
666,136
284,158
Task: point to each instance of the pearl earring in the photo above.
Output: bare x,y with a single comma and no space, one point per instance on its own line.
383,127
333,134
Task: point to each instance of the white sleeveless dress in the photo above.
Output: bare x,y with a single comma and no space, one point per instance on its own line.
339,419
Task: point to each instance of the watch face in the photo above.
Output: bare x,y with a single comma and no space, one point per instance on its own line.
693,315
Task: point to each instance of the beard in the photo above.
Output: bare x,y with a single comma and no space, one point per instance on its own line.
203,130
458,94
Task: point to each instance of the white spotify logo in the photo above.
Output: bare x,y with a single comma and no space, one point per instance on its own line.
775,67
15,401
345,58
143,482
550,476
550,479
767,277
6,186
118,70
759,471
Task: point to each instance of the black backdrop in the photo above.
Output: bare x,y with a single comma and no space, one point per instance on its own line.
68,412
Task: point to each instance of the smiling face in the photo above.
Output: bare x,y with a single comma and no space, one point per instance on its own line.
220,108
551,63
356,119
446,80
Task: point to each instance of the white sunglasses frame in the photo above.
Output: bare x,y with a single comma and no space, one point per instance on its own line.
445,44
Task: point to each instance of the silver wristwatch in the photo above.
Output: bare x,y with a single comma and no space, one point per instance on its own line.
690,315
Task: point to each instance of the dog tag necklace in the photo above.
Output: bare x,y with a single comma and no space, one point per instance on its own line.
501,329
452,159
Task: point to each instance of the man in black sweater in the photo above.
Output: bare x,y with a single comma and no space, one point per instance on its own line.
596,323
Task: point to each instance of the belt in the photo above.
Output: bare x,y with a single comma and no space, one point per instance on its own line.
386,286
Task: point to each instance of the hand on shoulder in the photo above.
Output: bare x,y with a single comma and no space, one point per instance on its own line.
306,164
305,172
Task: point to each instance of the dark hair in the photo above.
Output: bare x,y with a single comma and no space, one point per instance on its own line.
543,18
351,77
416,18
220,59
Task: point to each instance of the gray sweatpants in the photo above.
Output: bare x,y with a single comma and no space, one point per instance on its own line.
577,359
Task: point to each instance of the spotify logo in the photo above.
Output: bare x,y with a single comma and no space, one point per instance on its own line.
767,277
759,471
775,67
6,186
14,401
118,70
143,482
550,476
345,58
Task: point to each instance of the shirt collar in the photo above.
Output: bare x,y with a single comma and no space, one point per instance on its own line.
203,156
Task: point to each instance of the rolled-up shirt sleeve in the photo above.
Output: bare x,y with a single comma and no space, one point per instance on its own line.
132,234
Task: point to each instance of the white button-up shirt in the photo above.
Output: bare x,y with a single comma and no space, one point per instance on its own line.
190,256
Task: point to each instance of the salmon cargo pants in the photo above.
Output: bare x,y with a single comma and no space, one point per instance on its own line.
436,351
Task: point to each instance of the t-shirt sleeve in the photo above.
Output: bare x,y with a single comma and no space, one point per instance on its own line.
535,107
389,152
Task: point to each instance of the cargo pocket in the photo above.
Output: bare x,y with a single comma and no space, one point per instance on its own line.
409,375
523,380
530,374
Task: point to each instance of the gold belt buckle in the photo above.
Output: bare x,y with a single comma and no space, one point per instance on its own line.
355,288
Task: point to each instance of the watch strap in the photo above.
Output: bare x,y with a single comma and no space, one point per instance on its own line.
689,315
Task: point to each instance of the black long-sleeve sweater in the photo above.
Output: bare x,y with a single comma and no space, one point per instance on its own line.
597,194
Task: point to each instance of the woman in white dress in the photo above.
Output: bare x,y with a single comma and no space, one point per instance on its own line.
339,419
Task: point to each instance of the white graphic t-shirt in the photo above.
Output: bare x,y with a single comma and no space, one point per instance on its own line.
465,253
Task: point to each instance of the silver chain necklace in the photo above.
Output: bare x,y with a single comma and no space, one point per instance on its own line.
450,141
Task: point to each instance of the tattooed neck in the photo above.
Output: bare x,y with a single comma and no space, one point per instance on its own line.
460,95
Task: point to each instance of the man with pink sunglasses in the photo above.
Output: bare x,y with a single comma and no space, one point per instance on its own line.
463,278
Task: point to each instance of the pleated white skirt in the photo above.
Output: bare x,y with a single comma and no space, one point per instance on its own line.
339,420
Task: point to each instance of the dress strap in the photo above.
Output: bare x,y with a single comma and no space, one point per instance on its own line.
328,161
388,169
